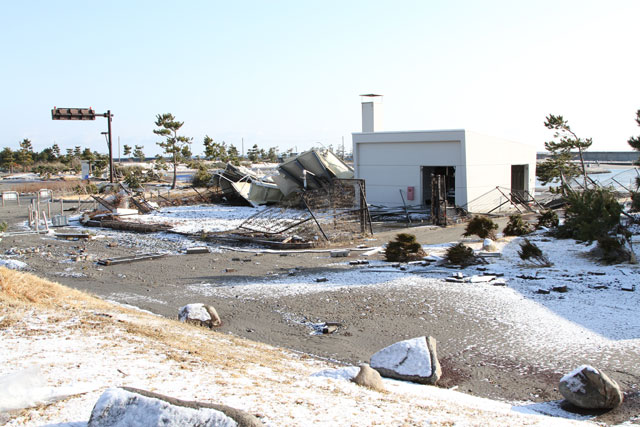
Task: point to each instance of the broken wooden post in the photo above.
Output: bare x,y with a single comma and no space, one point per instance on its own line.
18,197
61,206
44,216
49,208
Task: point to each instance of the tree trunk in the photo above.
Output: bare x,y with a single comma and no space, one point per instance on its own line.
584,171
175,173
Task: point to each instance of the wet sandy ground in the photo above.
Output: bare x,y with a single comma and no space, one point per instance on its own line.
476,353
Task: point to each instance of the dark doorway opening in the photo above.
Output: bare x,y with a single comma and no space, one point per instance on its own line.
449,173
519,178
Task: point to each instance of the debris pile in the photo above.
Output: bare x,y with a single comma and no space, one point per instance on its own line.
311,170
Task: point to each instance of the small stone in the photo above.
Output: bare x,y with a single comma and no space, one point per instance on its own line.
560,288
543,291
489,246
329,329
368,377
321,279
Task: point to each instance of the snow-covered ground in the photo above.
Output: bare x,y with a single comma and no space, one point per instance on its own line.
199,218
58,365
595,317
45,361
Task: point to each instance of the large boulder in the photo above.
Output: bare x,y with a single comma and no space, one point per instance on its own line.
130,406
199,314
368,377
413,360
588,388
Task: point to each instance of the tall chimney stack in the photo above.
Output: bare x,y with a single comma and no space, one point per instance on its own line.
371,112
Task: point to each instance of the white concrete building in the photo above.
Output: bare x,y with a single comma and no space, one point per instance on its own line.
400,164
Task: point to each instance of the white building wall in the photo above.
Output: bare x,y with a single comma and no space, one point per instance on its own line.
488,165
392,161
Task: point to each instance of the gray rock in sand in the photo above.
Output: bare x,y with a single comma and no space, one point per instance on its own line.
414,360
199,314
130,406
368,377
588,388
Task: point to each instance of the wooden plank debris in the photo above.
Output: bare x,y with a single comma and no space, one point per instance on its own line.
142,205
73,235
198,250
130,258
104,203
133,226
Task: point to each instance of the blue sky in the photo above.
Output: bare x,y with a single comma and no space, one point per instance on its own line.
288,73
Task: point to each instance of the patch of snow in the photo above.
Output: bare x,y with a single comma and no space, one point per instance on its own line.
552,409
347,373
13,264
199,218
573,382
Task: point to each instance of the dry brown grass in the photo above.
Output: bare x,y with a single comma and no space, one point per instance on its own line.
185,343
18,288
65,187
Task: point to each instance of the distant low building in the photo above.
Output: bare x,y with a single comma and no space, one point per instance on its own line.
399,165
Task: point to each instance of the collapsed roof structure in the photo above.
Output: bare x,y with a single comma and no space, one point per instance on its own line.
310,170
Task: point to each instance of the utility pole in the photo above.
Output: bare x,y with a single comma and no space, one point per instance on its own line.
119,159
108,116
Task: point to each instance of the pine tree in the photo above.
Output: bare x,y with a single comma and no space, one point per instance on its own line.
214,150
25,155
232,154
126,150
559,165
138,153
253,153
168,128
7,159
